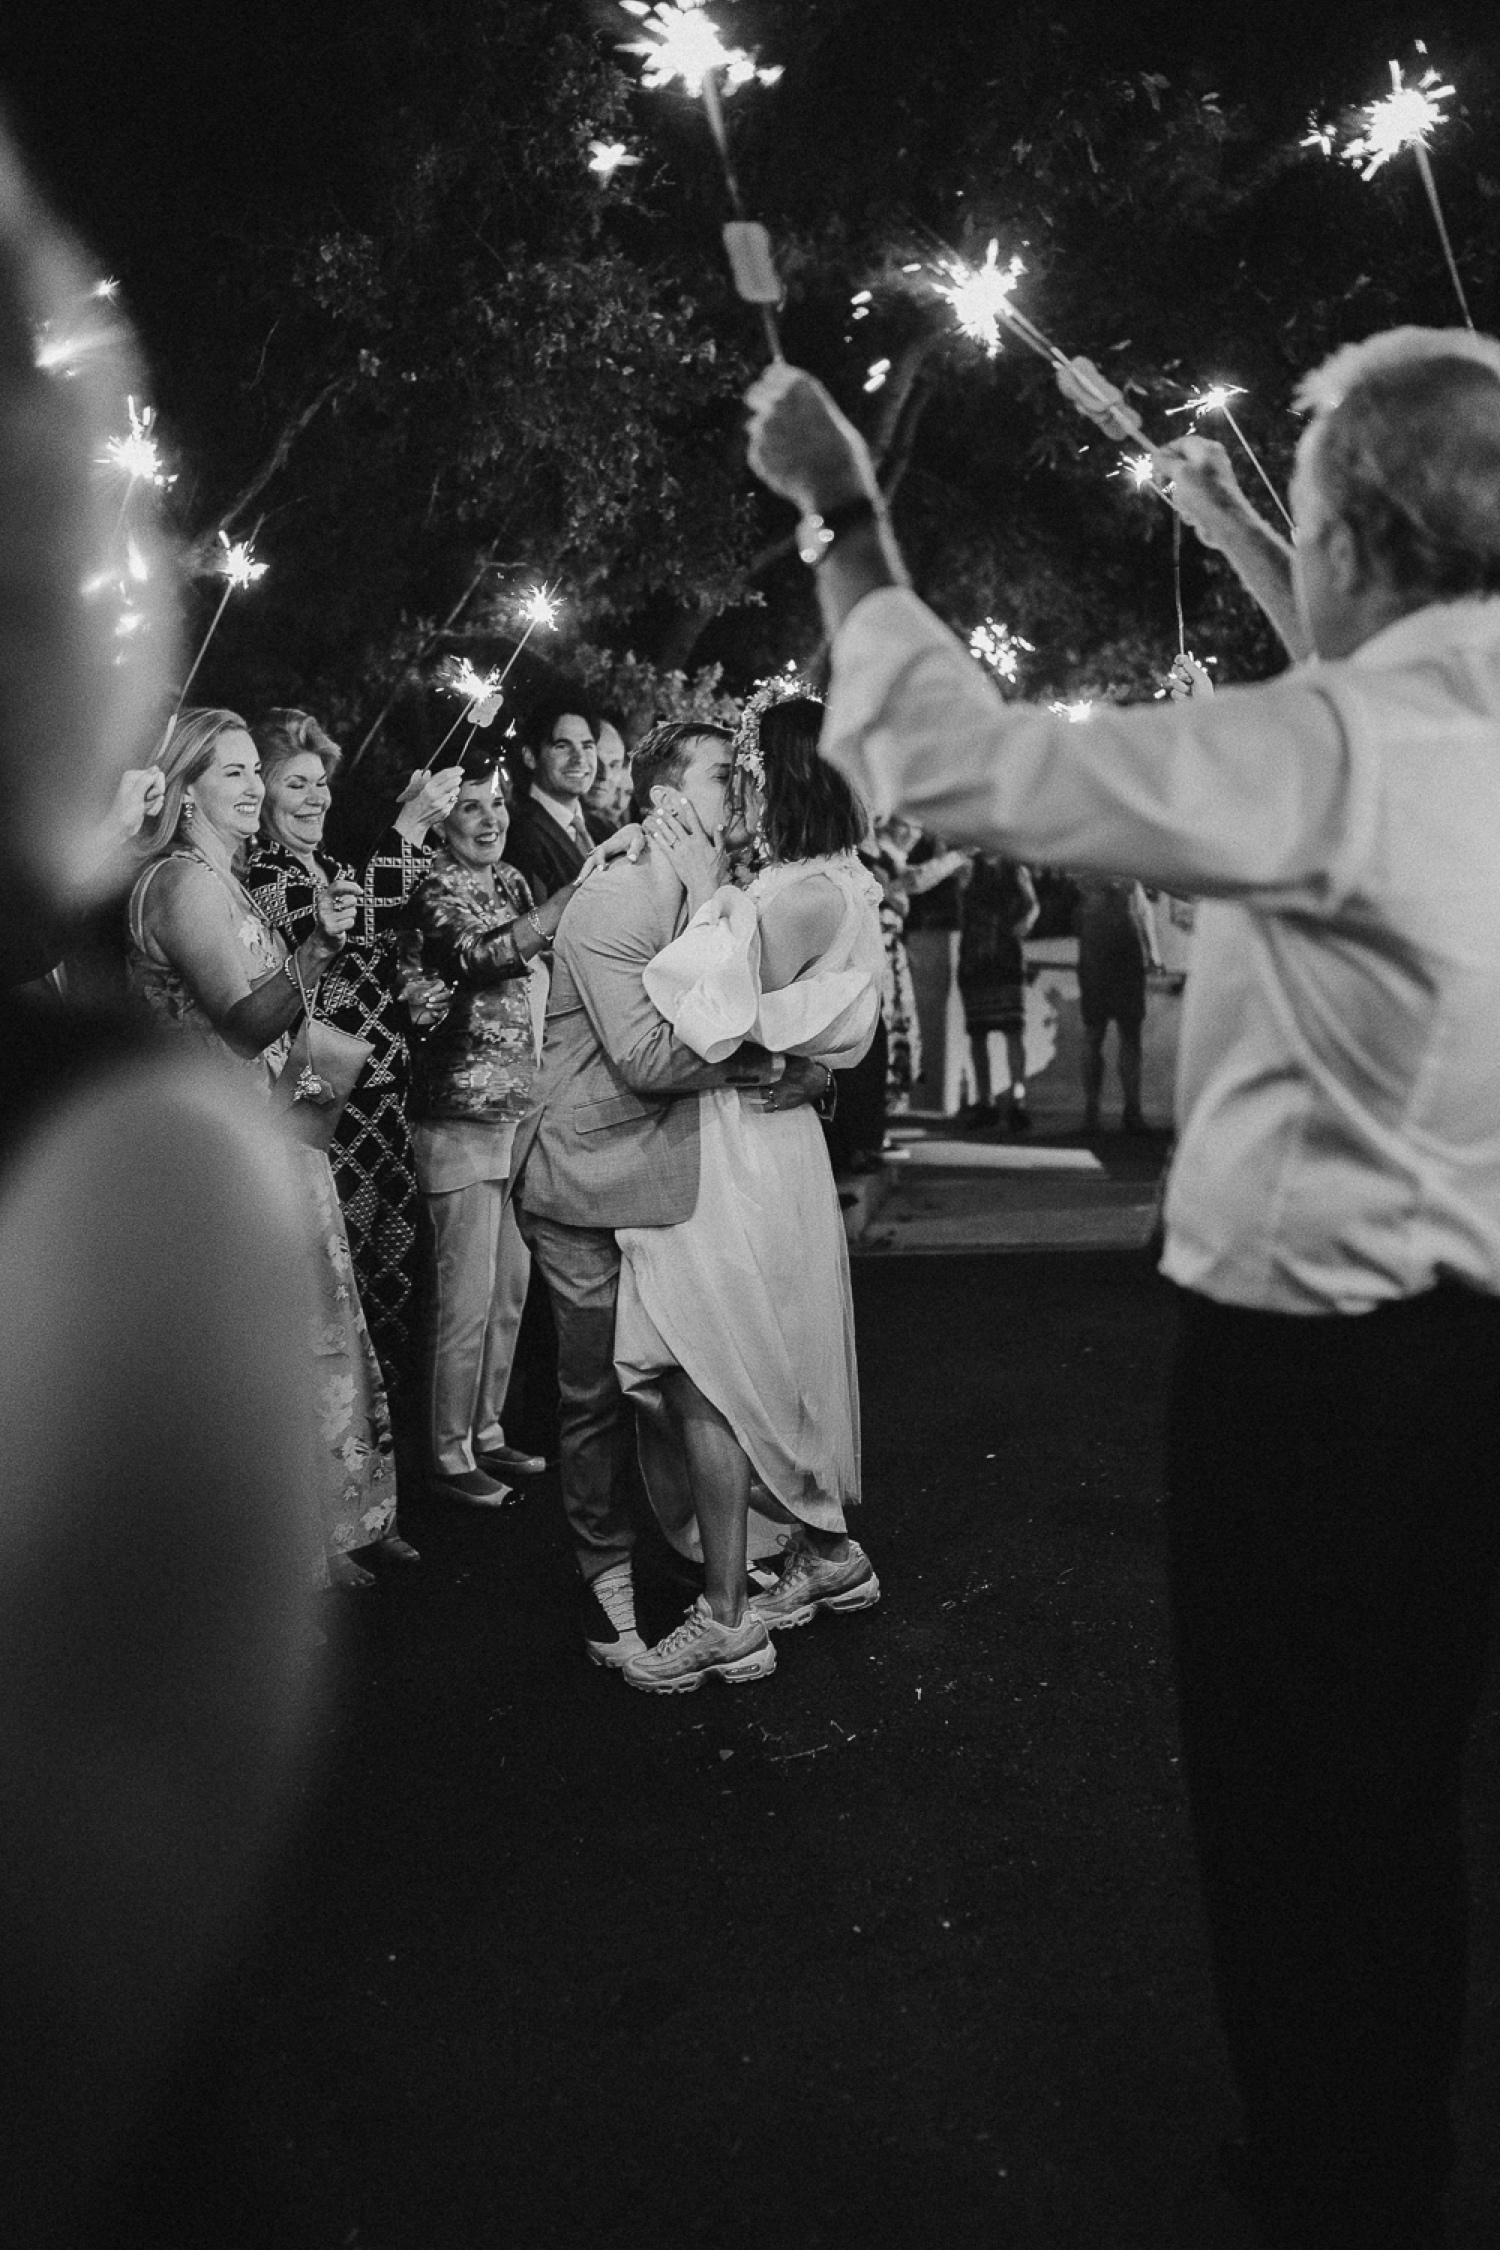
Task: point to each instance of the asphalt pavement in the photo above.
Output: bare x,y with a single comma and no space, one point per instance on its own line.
899,1947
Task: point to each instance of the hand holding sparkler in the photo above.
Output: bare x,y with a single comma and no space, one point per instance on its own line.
427,800
803,447
1205,490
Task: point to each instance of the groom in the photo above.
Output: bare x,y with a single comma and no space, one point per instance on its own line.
614,1143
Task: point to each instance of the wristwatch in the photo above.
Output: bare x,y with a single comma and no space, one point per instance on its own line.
817,533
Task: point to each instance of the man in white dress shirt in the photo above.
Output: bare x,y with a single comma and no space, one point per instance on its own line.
1333,1215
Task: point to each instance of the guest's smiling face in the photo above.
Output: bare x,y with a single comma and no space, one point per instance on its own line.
228,795
476,829
297,802
566,763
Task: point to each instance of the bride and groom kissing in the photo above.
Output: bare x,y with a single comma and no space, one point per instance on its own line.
676,1191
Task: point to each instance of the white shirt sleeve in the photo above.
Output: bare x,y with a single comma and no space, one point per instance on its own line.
1255,791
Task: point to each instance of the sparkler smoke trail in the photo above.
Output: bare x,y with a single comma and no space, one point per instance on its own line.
682,42
1406,118
1215,400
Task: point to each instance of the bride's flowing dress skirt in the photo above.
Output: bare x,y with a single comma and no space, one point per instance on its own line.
751,1295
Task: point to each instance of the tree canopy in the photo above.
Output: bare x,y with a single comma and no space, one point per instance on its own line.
405,334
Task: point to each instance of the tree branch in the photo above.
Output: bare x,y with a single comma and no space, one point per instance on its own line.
202,552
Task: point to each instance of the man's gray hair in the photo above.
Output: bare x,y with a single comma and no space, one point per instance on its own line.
1405,447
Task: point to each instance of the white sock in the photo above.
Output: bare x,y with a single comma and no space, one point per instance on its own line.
614,1590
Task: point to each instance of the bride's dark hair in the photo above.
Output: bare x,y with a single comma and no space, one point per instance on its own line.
811,811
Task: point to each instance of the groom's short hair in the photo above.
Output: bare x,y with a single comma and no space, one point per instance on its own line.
661,757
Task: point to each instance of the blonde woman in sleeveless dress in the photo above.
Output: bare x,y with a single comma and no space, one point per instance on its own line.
205,962
735,1329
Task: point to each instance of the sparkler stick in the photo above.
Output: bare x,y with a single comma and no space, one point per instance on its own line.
684,43
1215,400
1406,118
239,569
1177,582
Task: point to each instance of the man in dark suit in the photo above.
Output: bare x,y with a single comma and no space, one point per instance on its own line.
551,831
614,1143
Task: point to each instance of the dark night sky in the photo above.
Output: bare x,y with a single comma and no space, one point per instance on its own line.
161,127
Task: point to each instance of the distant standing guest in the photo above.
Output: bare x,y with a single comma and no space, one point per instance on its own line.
1116,945
476,928
551,835
373,1169
608,799
1000,906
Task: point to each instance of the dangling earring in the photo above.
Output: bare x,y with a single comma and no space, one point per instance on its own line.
186,815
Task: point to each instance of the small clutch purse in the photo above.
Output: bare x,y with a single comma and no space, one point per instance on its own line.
318,1076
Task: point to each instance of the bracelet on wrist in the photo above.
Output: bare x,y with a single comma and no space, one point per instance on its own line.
817,533
544,937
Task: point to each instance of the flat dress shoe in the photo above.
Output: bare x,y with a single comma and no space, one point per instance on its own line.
699,1649
504,1461
809,1582
473,1487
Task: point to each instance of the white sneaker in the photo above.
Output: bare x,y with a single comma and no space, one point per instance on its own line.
808,1583
699,1646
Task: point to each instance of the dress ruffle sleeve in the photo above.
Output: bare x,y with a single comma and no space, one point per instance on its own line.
707,981
707,985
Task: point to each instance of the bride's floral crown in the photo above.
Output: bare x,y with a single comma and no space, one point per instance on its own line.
782,687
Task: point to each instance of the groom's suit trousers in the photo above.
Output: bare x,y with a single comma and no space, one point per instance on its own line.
581,1266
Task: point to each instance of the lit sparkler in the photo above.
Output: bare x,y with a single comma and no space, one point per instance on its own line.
138,456
539,607
1080,708
682,42
1215,400
1406,118
107,289
479,694
239,569
1139,471
980,295
608,157
999,649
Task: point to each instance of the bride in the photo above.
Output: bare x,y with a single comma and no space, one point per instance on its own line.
735,1329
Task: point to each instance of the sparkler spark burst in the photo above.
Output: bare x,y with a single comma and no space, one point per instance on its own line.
1318,136
683,42
540,608
1139,470
979,295
1406,118
238,563
460,678
138,456
1000,649
1214,400
1076,712
107,289
608,157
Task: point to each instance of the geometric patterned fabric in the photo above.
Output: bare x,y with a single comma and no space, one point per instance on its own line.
374,1169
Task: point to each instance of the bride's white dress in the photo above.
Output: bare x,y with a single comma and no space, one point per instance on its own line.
750,1296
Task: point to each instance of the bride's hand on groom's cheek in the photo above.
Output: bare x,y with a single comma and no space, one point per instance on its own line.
674,828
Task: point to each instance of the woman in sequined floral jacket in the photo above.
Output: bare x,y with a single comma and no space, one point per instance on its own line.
473,925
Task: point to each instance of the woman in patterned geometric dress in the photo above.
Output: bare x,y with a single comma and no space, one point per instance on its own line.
209,966
373,1167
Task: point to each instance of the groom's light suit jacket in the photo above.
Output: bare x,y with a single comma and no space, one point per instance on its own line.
612,1143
